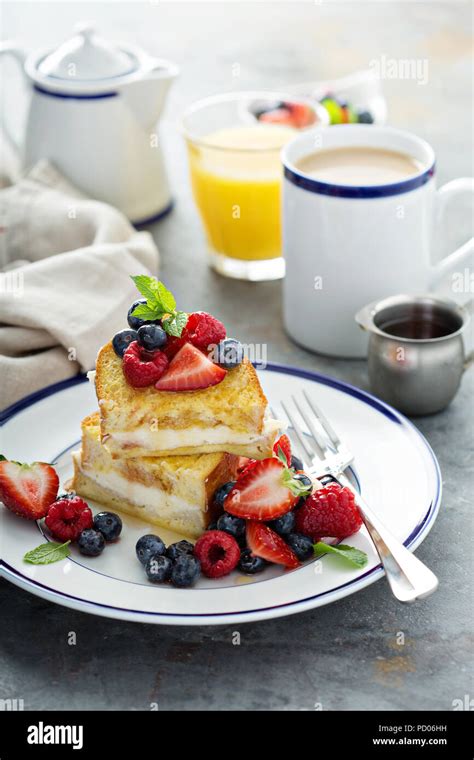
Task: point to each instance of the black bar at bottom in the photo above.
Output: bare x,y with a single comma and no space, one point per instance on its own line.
81,734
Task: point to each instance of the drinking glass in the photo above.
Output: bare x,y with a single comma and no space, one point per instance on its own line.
236,177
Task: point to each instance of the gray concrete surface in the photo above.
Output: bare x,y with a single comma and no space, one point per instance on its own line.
345,655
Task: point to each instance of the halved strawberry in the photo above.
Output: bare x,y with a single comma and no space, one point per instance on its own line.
173,345
284,444
265,543
28,489
244,468
277,116
302,115
261,492
190,370
242,464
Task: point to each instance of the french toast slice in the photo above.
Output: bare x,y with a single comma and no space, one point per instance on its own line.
228,417
172,492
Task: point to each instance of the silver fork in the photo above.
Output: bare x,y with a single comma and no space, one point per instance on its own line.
326,454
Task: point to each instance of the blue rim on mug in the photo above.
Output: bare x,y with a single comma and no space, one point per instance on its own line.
298,178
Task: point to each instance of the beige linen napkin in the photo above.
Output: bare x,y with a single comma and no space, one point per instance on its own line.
65,287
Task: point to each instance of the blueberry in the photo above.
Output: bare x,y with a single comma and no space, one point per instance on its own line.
91,542
178,549
284,524
304,479
301,545
109,524
229,353
122,340
327,479
70,495
296,463
135,322
185,570
233,525
151,336
365,117
158,568
221,493
149,546
251,564
212,525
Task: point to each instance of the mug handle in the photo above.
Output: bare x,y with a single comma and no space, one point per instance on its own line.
461,254
9,48
469,308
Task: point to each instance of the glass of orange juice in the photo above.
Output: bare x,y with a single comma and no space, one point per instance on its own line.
234,143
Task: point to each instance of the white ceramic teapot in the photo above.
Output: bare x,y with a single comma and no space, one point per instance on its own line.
93,113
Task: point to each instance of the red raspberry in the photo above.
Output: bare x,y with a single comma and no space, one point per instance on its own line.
284,444
142,368
67,518
204,330
218,553
329,512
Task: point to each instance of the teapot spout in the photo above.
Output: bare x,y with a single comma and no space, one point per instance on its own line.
364,317
146,95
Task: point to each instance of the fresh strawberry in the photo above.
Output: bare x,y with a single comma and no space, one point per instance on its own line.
330,511
301,114
203,330
218,552
265,543
246,466
277,116
28,489
242,464
284,444
263,492
173,345
142,368
190,370
68,517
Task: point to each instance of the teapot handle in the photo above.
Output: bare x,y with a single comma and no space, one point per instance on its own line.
9,48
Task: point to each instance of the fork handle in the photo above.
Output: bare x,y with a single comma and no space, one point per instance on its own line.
408,577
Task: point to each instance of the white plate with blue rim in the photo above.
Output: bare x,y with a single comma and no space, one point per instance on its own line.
395,468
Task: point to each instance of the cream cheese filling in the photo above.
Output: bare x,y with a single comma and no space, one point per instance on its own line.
170,438
149,497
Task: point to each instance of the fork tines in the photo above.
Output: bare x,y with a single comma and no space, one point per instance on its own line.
311,432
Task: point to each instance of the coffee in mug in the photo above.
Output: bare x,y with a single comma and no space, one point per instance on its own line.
359,165
360,210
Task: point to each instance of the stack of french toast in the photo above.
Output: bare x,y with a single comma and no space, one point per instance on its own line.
179,406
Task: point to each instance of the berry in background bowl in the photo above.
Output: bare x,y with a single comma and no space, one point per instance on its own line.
288,111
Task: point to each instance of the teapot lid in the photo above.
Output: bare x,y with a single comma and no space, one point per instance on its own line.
87,57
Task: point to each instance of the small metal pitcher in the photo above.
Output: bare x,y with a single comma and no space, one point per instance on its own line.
416,352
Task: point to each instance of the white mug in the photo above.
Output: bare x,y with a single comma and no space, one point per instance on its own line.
347,245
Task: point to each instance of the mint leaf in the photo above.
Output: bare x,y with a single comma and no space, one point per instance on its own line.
145,285
175,324
355,557
146,312
164,297
2,458
45,554
160,304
